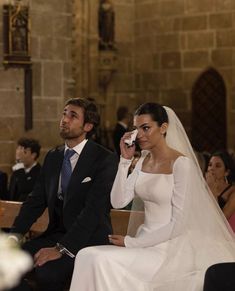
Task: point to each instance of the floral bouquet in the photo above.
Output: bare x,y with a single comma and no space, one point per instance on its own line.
13,262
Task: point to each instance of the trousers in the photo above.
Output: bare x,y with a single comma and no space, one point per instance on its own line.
52,276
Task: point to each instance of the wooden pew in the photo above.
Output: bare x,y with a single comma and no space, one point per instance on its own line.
10,209
119,220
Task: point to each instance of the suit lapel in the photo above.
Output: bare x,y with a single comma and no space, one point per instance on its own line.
82,168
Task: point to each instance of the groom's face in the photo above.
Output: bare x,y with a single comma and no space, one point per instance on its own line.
72,124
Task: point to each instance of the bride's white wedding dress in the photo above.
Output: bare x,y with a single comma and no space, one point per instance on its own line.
160,256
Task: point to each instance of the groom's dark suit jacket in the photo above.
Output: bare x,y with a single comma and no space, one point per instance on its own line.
86,208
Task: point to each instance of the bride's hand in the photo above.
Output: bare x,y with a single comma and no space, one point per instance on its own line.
210,178
127,152
117,240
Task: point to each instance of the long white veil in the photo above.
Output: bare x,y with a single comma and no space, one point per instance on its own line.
202,236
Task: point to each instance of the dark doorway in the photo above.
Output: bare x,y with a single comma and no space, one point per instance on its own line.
209,130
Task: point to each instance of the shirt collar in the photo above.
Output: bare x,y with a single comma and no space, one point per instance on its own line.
78,148
27,170
123,124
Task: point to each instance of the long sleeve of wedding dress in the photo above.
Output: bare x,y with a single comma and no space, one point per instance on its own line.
120,198
123,192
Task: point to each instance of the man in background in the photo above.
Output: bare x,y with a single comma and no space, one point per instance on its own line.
26,170
123,120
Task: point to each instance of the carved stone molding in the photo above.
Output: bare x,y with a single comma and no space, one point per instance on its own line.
107,66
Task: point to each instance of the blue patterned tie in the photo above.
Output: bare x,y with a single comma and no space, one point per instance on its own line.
66,170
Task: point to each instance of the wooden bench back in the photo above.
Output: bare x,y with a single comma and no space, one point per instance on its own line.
119,220
10,209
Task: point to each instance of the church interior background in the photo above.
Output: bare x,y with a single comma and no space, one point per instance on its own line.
180,53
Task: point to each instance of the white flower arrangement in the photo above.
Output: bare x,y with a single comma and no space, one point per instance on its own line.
13,262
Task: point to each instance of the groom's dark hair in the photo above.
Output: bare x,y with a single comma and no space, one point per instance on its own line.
90,110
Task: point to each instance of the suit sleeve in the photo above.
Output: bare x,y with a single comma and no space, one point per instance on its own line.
97,206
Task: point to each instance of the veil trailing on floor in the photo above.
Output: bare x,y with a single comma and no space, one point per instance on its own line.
201,236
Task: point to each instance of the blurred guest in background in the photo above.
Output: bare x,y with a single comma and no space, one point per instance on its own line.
203,159
220,177
123,120
26,170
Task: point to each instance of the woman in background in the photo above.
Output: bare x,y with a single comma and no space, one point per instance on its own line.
220,177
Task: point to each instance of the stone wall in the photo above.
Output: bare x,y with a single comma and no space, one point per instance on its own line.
162,48
87,58
175,41
121,89
52,80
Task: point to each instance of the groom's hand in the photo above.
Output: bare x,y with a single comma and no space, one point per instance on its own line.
45,255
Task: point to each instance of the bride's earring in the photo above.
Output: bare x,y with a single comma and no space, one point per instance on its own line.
226,179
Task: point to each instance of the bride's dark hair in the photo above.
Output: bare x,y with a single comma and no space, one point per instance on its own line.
155,110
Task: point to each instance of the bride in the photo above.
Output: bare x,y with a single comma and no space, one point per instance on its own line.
184,231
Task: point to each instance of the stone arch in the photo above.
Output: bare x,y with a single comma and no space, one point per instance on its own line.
209,126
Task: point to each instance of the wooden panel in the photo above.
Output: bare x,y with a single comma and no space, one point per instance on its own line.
120,219
10,209
41,224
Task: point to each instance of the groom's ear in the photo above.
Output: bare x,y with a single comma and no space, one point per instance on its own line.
88,127
163,128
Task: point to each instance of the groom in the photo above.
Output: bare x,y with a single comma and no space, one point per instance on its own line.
75,183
